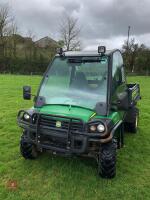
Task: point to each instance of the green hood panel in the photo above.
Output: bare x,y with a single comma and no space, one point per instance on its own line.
77,112
114,116
64,110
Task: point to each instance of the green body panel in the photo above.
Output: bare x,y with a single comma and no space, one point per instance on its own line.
68,111
114,116
78,112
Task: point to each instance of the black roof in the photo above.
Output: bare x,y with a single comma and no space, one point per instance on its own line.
87,53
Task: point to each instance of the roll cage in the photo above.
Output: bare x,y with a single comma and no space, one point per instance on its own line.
100,108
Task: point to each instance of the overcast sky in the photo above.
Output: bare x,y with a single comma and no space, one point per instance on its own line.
102,21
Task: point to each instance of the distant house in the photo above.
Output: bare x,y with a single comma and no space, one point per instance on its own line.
46,42
28,39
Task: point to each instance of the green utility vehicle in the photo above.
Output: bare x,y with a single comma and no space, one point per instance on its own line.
82,107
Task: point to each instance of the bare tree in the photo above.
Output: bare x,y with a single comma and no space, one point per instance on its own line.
30,48
6,27
130,49
3,26
13,32
4,20
70,31
31,34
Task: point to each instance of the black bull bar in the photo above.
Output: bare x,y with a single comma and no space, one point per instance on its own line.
70,137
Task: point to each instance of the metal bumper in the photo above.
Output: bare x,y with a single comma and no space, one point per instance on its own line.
62,141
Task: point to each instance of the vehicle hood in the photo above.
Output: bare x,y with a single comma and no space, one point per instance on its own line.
68,111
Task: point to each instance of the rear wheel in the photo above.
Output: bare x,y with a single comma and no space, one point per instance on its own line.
27,150
107,160
131,121
120,136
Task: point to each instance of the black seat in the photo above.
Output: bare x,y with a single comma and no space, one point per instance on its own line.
79,82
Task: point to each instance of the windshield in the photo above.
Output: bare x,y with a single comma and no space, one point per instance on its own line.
78,81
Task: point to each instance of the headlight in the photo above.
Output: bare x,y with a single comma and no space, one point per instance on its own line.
26,116
97,128
93,128
101,128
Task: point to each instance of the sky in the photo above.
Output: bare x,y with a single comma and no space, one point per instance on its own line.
102,22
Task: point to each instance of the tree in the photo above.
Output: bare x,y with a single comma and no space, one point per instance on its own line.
12,39
7,28
4,21
136,57
30,50
70,31
143,60
130,50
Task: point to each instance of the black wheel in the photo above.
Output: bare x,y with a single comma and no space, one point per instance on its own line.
107,160
131,121
27,150
120,138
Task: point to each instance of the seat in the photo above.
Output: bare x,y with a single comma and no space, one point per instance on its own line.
79,82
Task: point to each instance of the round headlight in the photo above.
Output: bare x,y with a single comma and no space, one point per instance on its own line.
101,128
26,116
93,128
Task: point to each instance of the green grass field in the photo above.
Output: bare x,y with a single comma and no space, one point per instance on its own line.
57,178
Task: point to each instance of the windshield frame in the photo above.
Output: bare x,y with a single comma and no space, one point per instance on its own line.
106,106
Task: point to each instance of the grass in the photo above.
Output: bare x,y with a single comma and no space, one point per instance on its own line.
57,178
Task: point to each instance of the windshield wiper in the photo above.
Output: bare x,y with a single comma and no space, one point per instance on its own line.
69,105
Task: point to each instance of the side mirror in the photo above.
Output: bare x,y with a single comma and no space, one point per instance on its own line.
123,101
27,92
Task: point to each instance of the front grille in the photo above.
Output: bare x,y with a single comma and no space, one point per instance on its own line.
54,141
67,124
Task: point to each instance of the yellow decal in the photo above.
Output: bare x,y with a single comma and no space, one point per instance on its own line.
58,124
92,115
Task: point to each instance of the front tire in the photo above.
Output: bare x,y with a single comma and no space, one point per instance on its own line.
28,150
107,160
